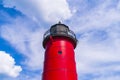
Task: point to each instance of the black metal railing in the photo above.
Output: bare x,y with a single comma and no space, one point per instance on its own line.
69,33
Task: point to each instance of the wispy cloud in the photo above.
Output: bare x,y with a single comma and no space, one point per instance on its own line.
25,39
98,31
46,9
99,16
95,23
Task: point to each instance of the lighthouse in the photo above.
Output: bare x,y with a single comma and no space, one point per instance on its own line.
59,43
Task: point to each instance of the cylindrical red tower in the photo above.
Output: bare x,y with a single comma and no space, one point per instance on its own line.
59,43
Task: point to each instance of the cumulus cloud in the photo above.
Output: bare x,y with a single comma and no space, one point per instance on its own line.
49,10
7,65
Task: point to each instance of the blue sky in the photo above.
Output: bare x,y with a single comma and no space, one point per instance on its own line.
96,24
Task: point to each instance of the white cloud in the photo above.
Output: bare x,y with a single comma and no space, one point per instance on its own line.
7,65
49,10
95,54
27,41
91,58
98,53
98,17
108,78
29,76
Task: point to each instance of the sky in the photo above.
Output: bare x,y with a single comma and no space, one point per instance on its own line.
96,24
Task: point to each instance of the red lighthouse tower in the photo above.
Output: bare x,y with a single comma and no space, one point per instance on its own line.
59,43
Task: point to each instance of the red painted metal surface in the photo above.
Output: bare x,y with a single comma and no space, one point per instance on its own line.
59,63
